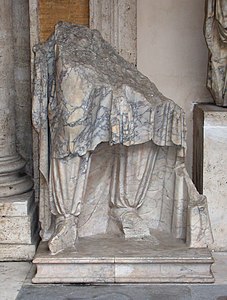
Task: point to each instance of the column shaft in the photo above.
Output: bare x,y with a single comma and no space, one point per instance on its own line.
7,91
18,211
11,164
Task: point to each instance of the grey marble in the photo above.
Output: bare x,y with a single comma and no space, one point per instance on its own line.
124,292
216,38
106,292
112,149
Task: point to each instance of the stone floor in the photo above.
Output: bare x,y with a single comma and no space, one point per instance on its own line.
15,283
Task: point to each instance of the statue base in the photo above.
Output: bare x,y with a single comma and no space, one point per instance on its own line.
115,260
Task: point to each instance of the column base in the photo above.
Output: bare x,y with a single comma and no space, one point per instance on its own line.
13,181
19,227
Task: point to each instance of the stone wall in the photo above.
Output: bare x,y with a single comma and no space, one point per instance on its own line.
171,51
52,11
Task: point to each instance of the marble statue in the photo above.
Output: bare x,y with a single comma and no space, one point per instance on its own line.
216,38
112,148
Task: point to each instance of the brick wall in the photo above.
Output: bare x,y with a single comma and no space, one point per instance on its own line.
53,11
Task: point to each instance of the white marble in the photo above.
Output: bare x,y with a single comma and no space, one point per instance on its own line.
16,206
122,261
116,165
19,252
21,35
216,38
13,276
210,167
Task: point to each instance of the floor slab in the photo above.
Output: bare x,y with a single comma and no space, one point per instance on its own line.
124,292
12,276
123,261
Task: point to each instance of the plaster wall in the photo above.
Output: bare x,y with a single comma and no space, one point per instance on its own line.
172,52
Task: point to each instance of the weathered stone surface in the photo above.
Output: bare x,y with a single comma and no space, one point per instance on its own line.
19,252
13,226
216,37
20,12
117,145
17,206
210,148
12,276
122,261
15,222
117,22
19,223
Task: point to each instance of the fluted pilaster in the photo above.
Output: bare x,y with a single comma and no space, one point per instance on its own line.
12,179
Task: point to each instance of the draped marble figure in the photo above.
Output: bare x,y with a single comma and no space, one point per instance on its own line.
112,148
216,37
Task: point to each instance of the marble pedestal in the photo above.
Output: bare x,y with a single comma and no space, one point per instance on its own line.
210,165
121,261
19,234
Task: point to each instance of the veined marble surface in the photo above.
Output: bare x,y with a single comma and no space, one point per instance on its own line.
115,260
216,37
112,148
13,276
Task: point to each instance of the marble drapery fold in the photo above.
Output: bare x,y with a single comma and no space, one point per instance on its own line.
216,38
109,144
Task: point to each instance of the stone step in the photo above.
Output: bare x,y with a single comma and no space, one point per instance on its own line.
16,206
17,252
112,261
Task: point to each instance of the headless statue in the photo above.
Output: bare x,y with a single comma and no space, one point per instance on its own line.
110,144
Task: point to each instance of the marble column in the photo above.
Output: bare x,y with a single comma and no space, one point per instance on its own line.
16,199
116,20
